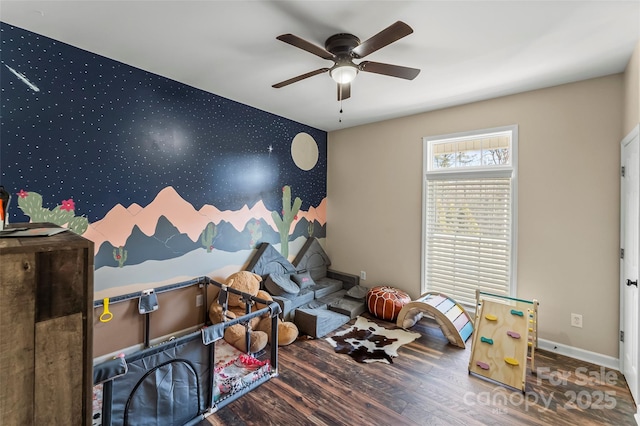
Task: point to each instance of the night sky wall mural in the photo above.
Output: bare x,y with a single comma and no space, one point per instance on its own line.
170,182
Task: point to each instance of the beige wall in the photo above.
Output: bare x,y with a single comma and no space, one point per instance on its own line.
632,92
568,209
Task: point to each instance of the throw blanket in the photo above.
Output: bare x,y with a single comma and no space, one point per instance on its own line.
367,342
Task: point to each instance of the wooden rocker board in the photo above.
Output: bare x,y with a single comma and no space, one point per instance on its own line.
501,343
453,319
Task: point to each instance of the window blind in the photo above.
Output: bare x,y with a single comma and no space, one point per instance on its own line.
468,225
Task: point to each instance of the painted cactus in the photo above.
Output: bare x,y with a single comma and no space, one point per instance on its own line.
310,228
31,204
255,230
289,214
63,215
120,255
208,235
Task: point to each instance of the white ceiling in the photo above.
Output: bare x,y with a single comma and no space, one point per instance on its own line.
467,50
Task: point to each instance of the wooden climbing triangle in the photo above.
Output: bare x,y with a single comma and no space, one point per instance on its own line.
505,338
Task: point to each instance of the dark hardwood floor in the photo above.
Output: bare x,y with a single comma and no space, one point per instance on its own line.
428,384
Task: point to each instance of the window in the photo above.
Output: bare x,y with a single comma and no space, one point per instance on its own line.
469,213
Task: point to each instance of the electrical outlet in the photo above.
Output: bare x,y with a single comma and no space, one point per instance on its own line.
576,320
199,300
363,275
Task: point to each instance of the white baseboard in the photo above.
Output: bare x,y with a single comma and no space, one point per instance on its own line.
581,354
637,416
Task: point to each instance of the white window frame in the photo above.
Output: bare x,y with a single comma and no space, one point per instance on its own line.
471,172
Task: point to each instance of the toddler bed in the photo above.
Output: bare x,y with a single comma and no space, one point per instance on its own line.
182,380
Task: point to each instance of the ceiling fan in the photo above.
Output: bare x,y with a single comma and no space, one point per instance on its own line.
342,49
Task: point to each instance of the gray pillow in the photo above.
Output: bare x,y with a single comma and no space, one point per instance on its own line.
358,292
303,279
280,285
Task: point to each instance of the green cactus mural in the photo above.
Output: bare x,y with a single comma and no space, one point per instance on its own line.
31,204
63,215
207,236
283,223
120,255
310,228
255,230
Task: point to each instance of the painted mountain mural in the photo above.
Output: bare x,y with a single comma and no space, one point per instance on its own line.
170,227
170,182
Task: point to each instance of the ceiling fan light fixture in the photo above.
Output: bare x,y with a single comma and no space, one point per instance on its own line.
343,48
344,74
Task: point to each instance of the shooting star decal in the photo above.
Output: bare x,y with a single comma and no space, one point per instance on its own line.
24,79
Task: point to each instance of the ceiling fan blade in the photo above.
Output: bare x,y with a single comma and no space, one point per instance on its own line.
305,45
390,70
344,91
300,77
392,33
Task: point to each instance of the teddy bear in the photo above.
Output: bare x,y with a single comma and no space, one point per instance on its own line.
287,331
235,334
248,282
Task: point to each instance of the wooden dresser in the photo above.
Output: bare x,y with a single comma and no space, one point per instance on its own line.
46,308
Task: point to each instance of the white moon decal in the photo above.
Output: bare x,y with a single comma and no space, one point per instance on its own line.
304,151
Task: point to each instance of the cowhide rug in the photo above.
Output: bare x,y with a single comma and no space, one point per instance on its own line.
367,342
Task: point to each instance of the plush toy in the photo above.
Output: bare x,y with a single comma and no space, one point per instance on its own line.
245,282
287,331
248,282
235,334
